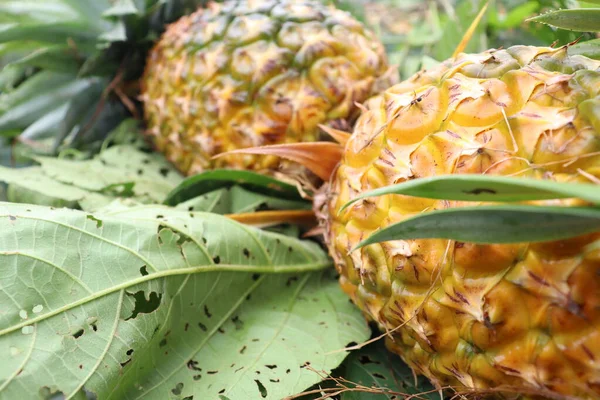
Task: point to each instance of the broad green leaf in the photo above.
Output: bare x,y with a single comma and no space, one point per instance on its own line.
30,185
209,181
120,171
160,304
487,188
494,224
151,174
579,20
376,369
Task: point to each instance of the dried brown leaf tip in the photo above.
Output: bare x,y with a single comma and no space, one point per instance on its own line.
321,158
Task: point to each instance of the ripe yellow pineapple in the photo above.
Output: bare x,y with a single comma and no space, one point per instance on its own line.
256,72
468,315
505,317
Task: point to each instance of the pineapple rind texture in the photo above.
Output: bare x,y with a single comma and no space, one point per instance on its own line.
525,316
257,72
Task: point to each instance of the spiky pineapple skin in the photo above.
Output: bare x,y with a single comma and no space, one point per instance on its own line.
525,316
256,72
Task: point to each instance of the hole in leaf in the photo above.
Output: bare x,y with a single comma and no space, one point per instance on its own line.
221,391
239,324
177,389
96,220
183,239
351,344
261,388
243,349
143,305
272,366
378,375
78,334
189,398
193,365
255,277
202,326
274,380
197,377
129,352
246,253
367,360
164,171
125,363
212,372
162,343
206,312
144,270
48,393
94,325
290,280
217,260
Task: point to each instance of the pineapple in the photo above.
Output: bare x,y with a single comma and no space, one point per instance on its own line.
250,73
525,316
517,318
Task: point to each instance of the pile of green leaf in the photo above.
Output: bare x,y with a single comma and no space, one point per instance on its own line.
127,281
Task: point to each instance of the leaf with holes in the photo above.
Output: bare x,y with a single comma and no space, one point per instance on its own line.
121,171
157,303
373,373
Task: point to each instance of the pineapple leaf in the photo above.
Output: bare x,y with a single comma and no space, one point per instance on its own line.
209,181
493,224
121,8
58,58
472,187
164,303
45,127
50,95
55,33
578,20
83,102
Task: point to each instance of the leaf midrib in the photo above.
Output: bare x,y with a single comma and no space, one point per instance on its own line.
314,266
